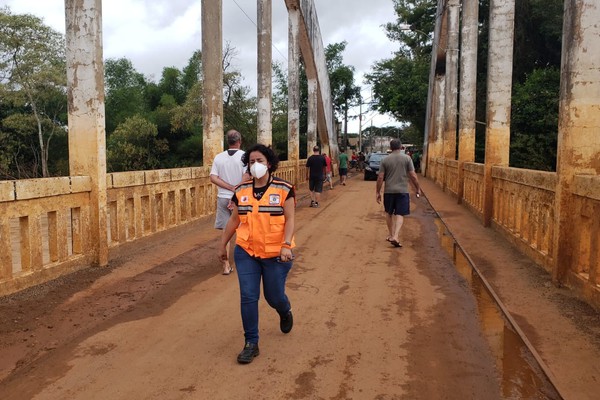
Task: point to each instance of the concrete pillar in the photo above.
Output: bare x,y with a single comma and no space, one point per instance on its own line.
311,134
264,125
212,70
451,94
430,117
499,89
293,85
468,88
437,149
85,91
579,120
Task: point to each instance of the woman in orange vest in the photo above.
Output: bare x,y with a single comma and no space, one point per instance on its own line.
263,218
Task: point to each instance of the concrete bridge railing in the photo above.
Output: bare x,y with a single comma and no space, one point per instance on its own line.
523,207
552,217
45,229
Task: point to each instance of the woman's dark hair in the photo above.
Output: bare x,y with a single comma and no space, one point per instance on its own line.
269,154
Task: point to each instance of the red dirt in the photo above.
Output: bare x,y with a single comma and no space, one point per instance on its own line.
371,321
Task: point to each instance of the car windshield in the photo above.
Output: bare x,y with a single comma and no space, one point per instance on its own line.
376,157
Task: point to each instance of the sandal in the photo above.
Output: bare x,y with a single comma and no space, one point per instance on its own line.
229,271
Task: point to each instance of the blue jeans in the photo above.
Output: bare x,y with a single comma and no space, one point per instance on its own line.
250,270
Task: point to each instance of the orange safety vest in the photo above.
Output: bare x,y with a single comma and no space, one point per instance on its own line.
262,223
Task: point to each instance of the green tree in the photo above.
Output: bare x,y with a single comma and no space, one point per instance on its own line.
33,78
534,127
192,72
125,92
400,88
280,111
345,93
134,146
400,83
171,83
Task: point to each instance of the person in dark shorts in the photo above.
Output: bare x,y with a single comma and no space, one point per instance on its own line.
315,173
396,170
343,167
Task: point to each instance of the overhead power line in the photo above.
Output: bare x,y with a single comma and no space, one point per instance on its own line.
254,23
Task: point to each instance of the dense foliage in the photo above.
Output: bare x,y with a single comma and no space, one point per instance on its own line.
148,124
400,83
32,95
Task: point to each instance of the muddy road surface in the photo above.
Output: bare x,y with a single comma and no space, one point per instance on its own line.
371,321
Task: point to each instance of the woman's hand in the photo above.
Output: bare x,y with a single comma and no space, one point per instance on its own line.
223,253
286,254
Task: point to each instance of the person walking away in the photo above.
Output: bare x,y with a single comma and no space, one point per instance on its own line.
316,167
227,172
396,170
361,161
416,157
343,168
328,177
263,216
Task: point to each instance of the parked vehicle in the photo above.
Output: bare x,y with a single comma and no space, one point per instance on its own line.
372,165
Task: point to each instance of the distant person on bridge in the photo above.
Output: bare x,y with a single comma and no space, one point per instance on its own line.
316,167
343,167
263,216
227,172
396,170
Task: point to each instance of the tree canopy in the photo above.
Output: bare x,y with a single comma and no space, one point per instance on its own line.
400,83
32,93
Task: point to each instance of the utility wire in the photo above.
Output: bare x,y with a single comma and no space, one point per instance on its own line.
254,23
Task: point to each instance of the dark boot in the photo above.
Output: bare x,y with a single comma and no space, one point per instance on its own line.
248,353
286,322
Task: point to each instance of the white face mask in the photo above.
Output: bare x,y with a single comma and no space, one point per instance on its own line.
258,170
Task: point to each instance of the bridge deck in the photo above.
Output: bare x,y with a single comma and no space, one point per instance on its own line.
372,321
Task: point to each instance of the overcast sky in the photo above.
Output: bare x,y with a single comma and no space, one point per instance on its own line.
155,34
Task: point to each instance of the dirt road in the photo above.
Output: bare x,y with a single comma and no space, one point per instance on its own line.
371,321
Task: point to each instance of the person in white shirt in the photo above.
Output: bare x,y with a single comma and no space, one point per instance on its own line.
227,172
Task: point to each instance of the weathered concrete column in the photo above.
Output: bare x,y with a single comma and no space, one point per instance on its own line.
293,85
579,120
212,70
499,89
85,91
468,89
439,114
264,125
430,117
311,134
451,94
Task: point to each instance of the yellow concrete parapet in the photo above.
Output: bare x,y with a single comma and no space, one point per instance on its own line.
81,184
180,174
528,177
126,179
7,191
42,187
200,172
523,209
587,186
158,175
475,168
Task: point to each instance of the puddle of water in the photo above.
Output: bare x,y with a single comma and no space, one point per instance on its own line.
521,375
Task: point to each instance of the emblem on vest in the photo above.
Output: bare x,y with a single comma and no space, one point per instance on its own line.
274,199
244,199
